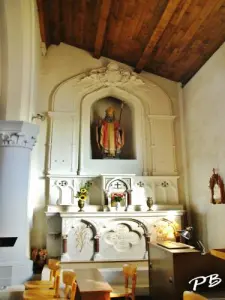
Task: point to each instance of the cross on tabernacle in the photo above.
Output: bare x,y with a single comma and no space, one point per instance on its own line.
117,185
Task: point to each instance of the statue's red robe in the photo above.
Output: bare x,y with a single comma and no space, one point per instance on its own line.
110,138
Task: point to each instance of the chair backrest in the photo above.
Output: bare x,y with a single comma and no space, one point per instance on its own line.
53,265
192,296
69,279
130,271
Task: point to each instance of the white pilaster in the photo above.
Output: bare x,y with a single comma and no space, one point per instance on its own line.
17,139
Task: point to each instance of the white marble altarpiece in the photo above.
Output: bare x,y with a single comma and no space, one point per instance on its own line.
145,168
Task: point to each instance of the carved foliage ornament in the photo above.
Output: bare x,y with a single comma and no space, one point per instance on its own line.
111,75
83,235
17,139
216,186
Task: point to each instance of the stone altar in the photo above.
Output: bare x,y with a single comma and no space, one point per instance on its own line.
101,232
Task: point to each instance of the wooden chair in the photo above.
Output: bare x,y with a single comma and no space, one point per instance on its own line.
69,278
129,272
192,296
53,265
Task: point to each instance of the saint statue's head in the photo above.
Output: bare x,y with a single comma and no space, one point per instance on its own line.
110,111
110,114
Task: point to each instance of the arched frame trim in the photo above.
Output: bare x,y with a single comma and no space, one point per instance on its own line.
74,98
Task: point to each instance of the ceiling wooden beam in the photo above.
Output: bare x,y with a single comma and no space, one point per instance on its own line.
160,28
42,23
104,14
207,9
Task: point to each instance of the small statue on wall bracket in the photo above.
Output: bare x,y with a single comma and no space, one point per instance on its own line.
110,135
216,186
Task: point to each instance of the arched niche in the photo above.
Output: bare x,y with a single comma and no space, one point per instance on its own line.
124,116
87,165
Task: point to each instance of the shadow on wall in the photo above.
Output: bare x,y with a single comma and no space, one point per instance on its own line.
39,229
199,222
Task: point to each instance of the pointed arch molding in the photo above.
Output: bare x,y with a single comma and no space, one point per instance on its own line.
69,124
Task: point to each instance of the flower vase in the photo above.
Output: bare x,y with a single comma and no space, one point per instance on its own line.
81,205
117,205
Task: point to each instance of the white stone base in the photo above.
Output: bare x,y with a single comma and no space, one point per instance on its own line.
65,257
15,272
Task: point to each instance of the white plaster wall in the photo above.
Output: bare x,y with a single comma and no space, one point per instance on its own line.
3,60
61,63
19,58
204,110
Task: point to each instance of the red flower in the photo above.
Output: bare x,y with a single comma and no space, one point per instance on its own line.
117,196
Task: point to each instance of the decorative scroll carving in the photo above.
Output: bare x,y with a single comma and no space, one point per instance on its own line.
122,238
17,139
111,75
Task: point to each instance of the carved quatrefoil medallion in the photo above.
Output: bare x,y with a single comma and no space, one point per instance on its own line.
122,238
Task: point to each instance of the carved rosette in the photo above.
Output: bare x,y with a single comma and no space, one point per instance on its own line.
17,139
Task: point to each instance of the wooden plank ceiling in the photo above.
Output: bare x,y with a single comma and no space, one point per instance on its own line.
170,38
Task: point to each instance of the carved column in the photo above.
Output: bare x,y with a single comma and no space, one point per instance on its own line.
96,245
17,139
67,224
64,244
129,199
64,256
147,244
106,201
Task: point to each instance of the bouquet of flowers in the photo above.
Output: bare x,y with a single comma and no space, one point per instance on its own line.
39,257
83,192
117,197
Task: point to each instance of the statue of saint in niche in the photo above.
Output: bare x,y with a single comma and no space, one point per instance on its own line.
109,134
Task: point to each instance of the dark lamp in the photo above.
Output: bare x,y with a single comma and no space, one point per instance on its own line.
188,234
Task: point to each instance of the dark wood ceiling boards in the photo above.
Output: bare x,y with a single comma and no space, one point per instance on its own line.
170,38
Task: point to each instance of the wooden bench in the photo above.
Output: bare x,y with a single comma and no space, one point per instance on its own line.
91,285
